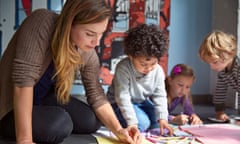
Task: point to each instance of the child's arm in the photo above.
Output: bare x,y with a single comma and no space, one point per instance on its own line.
219,98
220,114
159,97
188,109
123,82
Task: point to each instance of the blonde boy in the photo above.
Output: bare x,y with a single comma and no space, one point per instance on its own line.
219,50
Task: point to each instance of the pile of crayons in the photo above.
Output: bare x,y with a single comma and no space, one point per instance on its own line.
172,140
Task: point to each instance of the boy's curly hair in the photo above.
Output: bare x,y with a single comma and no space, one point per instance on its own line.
218,45
145,40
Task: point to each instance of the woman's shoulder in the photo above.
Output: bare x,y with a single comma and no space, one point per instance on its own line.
42,12
40,20
40,16
89,58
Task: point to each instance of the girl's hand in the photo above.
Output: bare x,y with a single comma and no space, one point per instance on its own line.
222,116
194,119
181,119
130,135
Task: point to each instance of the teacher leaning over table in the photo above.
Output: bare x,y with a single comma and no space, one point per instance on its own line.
37,72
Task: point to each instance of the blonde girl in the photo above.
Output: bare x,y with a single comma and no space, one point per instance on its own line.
178,85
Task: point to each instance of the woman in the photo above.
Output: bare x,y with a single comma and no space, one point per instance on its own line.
37,72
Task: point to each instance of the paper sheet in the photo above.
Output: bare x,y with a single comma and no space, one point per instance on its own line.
216,133
104,136
111,140
207,134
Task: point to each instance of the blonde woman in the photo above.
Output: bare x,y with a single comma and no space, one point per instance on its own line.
37,72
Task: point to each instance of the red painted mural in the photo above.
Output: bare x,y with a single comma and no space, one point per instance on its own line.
128,14
26,4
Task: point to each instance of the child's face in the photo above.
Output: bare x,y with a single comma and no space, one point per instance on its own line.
180,85
143,64
219,64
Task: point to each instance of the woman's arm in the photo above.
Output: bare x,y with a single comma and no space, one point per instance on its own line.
107,117
22,105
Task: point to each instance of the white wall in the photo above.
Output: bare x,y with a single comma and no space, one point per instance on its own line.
39,4
7,18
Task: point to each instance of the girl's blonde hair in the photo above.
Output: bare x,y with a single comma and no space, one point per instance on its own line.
179,70
218,45
66,58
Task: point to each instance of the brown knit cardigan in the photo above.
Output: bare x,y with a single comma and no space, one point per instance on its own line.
28,54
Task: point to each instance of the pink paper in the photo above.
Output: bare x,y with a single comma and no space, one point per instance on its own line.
216,133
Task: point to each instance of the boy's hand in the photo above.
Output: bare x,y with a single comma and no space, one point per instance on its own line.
221,116
164,125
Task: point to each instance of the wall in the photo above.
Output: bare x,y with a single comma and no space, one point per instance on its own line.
7,18
190,21
39,4
7,21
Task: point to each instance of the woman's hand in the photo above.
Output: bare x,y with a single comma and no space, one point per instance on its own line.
130,135
25,142
194,119
22,105
135,134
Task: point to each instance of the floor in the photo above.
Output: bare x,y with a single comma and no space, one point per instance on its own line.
204,111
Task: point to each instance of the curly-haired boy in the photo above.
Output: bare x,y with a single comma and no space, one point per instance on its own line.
137,93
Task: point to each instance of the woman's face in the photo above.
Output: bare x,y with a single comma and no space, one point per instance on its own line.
180,85
87,36
143,64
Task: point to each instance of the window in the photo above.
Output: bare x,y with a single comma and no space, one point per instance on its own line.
23,9
55,5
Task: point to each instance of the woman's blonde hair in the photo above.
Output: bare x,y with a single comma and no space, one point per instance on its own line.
179,70
66,58
218,45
